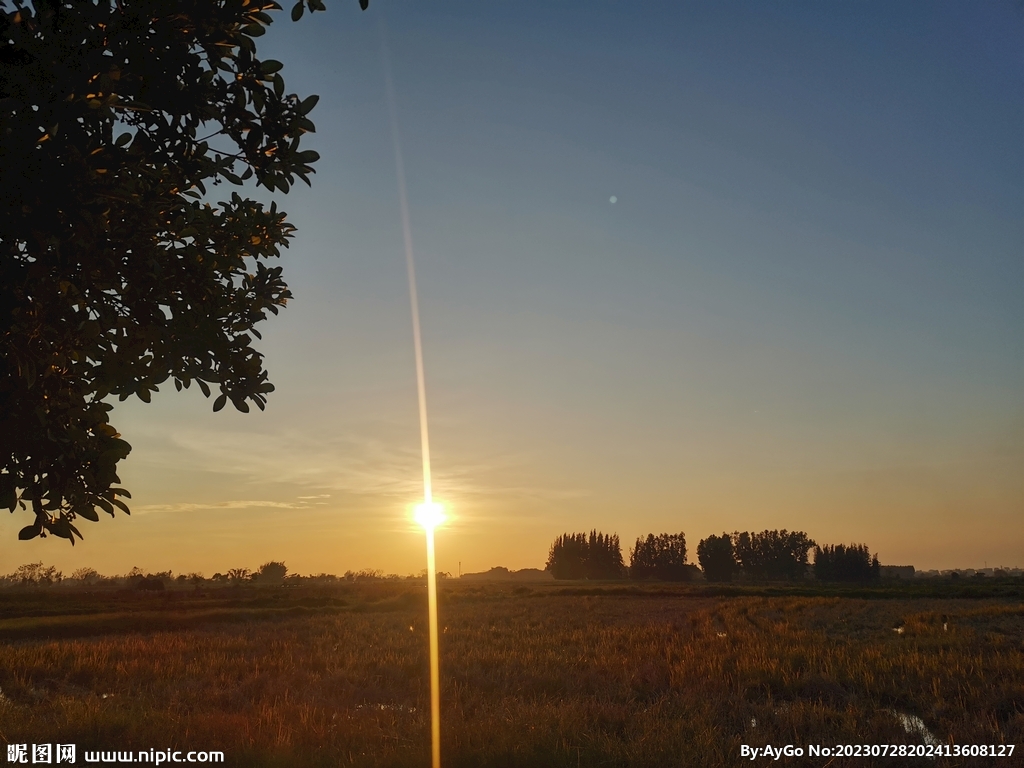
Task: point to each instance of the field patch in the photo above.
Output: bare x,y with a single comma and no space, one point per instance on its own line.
545,676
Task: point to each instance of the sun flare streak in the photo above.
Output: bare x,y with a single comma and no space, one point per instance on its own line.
428,514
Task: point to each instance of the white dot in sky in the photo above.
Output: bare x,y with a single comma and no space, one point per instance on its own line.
613,199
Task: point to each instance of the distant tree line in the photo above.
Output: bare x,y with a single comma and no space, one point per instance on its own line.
599,556
273,573
768,555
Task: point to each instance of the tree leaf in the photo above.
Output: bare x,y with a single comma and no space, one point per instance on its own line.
297,11
88,513
29,532
219,402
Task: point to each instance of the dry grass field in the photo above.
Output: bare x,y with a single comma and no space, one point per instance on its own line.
546,675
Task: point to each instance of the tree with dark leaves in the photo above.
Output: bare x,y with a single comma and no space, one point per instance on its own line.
661,557
839,562
604,556
579,556
717,558
567,558
272,573
773,554
118,267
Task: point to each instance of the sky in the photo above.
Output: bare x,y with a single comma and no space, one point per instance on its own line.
697,267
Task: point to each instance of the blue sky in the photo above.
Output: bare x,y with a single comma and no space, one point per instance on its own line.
802,311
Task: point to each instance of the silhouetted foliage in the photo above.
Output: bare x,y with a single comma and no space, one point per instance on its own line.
661,557
604,557
271,573
152,582
568,556
86,575
115,274
846,563
579,556
773,554
717,558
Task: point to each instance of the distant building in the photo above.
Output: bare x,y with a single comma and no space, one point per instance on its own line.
897,571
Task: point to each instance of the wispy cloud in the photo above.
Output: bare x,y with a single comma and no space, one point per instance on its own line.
235,504
372,459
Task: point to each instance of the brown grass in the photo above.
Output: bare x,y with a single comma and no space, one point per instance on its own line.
532,676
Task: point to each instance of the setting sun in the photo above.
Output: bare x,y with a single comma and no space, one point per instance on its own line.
429,514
